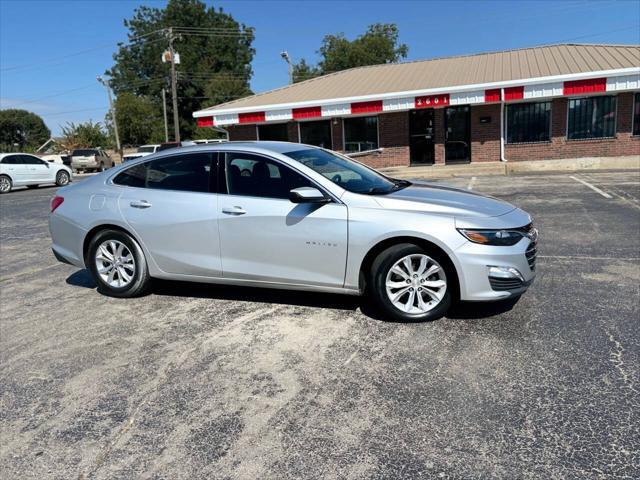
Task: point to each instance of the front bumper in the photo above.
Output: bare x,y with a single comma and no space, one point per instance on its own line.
475,261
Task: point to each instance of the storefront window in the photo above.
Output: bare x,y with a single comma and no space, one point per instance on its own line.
592,117
277,132
636,114
360,134
316,133
529,122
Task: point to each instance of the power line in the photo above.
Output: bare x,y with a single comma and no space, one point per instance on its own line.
73,111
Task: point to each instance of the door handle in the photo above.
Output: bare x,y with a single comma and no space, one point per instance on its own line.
140,204
233,210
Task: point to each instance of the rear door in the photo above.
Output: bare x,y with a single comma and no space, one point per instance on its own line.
266,237
169,204
15,167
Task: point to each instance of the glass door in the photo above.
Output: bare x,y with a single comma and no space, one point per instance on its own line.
457,124
421,147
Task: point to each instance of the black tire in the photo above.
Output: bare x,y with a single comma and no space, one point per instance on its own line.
377,283
33,186
62,178
101,167
5,184
141,281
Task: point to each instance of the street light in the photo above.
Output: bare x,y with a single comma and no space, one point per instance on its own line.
112,110
285,56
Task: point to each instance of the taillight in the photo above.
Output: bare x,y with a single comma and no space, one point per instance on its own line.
56,202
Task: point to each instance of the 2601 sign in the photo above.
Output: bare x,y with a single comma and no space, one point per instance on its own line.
430,101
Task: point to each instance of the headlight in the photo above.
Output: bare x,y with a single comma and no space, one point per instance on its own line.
492,237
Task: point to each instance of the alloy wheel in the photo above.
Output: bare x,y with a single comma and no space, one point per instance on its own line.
416,284
115,263
5,184
63,178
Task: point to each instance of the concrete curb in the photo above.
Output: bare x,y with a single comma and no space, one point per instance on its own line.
631,163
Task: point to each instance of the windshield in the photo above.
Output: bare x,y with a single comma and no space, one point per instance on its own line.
150,149
346,173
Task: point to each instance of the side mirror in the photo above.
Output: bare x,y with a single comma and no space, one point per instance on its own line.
307,195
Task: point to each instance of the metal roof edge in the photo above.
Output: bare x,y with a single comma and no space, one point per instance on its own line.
430,91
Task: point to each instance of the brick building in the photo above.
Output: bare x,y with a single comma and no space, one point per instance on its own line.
550,102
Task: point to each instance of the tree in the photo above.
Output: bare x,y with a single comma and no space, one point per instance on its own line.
85,135
139,119
303,71
211,44
21,130
379,44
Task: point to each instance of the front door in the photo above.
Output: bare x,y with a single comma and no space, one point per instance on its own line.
168,204
457,126
421,147
39,170
266,237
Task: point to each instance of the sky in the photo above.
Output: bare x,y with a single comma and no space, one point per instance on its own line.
51,51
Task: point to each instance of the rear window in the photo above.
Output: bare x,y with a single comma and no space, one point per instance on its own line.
146,149
187,173
84,153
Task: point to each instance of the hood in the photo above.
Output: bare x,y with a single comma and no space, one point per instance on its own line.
443,200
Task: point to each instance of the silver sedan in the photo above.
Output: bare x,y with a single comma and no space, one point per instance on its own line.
286,215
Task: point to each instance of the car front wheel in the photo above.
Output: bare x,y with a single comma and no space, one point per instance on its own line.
62,178
410,284
118,265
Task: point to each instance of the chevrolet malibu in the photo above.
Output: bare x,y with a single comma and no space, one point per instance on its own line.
292,216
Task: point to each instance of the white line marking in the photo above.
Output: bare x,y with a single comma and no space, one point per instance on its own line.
353,355
595,189
471,182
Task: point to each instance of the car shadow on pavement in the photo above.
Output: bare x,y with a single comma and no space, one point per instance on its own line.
461,311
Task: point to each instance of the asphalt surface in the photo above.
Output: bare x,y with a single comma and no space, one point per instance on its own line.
200,381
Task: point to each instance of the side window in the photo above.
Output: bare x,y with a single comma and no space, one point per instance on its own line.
12,160
29,160
135,176
256,176
188,173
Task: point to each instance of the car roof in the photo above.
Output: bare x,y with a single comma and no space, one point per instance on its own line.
258,145
2,155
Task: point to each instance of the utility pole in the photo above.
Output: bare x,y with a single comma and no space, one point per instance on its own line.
286,58
164,113
113,112
174,93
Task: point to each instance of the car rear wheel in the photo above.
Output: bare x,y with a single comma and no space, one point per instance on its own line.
62,178
118,265
410,283
5,184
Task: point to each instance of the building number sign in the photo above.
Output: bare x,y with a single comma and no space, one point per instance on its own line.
429,101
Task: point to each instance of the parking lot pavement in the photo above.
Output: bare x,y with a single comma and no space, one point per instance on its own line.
199,381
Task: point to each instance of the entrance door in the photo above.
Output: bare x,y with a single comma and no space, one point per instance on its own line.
421,148
457,124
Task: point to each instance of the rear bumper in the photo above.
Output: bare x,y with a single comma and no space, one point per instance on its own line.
67,239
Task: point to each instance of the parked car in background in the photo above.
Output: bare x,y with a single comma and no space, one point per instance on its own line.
284,215
90,159
209,141
60,158
142,151
22,169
